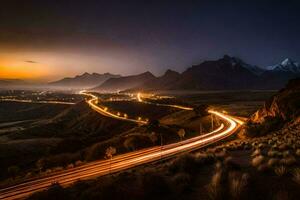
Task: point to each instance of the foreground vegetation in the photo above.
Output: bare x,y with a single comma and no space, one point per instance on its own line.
266,167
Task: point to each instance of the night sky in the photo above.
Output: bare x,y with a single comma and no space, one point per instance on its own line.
51,39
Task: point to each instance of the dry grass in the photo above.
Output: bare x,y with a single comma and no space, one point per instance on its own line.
298,152
296,175
214,188
288,160
272,162
273,153
237,184
280,171
256,153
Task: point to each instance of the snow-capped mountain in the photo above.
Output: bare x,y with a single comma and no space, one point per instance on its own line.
286,65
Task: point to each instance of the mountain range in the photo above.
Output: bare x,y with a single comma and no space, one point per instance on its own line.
227,73
85,80
12,82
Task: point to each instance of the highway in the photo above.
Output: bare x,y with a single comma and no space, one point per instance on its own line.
93,104
139,98
121,162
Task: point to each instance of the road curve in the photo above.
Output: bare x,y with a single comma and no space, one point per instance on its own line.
125,161
93,103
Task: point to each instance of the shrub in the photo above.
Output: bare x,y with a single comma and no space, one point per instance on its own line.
289,160
272,153
256,153
214,188
280,171
298,152
296,175
263,167
272,162
258,129
237,184
285,154
256,161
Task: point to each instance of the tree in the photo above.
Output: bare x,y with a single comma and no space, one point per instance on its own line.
110,151
13,171
181,133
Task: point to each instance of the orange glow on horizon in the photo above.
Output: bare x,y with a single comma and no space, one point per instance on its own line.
24,72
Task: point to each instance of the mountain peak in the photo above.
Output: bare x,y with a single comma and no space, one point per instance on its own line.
237,61
147,73
287,65
287,61
85,74
170,72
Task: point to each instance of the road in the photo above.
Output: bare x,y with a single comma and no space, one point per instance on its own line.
93,102
139,98
228,127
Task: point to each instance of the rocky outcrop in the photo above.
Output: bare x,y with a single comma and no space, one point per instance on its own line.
284,105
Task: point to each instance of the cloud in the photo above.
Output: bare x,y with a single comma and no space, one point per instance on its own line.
30,61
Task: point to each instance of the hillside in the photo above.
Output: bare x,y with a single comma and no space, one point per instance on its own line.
78,120
284,105
280,110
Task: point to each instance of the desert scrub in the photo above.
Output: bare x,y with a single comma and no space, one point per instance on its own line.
237,184
298,152
296,175
272,162
256,153
288,160
221,154
263,167
214,188
273,153
286,154
280,171
256,161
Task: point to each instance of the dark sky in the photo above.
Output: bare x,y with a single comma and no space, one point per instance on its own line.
70,37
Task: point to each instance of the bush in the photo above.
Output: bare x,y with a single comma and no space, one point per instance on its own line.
280,171
296,175
214,188
237,184
256,161
258,129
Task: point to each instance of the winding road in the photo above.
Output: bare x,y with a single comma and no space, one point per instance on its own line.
228,127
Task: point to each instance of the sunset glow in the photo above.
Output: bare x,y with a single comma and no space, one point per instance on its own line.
22,71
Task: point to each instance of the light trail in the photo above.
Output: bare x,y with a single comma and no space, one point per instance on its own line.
93,103
139,98
41,102
124,161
